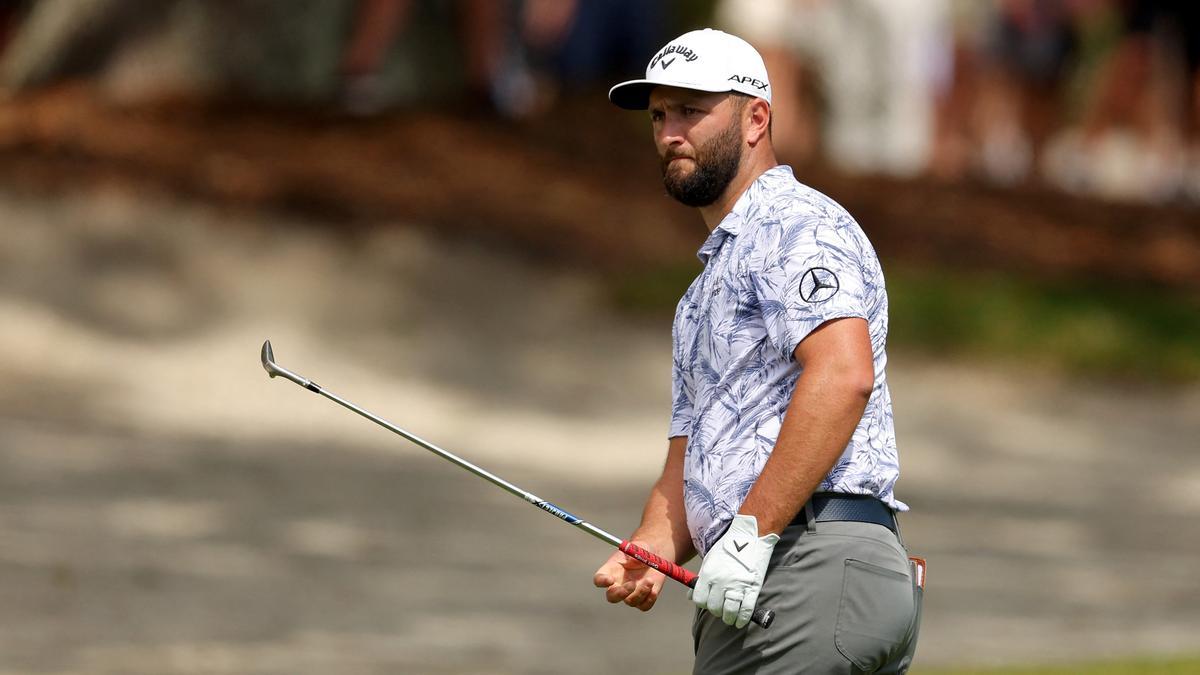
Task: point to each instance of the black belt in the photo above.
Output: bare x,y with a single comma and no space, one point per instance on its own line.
832,506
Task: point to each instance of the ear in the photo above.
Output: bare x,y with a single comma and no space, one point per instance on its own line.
757,121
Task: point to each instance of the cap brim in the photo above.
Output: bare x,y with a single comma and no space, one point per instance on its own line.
635,94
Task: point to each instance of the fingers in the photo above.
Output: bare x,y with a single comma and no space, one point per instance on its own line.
613,578
700,593
716,601
732,608
618,592
603,578
612,571
644,595
726,604
634,590
627,580
640,594
747,610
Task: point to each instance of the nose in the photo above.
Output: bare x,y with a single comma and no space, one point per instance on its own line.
671,132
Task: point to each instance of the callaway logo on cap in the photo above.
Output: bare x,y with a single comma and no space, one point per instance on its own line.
705,60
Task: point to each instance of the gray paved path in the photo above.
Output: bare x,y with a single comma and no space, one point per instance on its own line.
166,509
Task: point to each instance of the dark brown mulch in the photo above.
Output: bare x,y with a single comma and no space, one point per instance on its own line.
579,185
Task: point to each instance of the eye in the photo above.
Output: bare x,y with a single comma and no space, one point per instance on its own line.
689,111
656,115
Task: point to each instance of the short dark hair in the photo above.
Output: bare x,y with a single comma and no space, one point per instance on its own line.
741,99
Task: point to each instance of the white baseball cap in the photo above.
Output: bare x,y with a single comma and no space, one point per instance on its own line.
705,60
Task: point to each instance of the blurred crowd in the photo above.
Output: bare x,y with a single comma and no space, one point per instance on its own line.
516,54
1095,97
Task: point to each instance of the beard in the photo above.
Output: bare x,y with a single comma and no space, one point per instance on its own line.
716,163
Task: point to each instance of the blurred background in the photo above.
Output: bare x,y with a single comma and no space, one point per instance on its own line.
431,209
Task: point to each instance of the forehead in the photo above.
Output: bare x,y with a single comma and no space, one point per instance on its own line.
674,96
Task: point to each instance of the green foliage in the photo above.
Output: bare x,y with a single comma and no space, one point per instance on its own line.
655,291
1084,328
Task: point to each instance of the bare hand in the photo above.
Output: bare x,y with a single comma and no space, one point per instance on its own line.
629,581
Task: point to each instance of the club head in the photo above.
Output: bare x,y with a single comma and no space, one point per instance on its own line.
268,359
273,369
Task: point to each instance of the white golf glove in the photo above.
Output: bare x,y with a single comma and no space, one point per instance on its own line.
733,571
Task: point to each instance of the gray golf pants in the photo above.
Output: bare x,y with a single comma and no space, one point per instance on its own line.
844,601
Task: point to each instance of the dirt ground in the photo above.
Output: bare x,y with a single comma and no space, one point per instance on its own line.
580,185
166,508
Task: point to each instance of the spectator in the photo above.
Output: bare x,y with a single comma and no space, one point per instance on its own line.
877,65
1144,112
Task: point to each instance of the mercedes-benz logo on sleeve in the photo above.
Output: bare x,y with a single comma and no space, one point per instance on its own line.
818,285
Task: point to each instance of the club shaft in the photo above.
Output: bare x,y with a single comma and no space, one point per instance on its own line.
763,617
477,470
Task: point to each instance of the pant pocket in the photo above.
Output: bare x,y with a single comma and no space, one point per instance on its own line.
874,615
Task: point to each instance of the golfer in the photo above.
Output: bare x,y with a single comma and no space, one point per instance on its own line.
782,457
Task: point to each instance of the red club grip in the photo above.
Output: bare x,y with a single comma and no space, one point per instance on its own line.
762,617
683,576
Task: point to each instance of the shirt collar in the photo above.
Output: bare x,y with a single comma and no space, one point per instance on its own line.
731,224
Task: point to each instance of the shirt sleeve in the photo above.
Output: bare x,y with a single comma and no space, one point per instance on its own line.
807,271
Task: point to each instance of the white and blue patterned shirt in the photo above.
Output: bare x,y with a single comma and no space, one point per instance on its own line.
784,261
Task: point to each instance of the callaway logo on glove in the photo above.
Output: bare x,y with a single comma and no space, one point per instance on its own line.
733,571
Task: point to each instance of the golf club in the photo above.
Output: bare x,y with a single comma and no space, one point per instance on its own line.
762,617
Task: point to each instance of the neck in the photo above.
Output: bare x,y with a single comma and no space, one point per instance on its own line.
758,163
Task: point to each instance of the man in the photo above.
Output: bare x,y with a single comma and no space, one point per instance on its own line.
782,456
